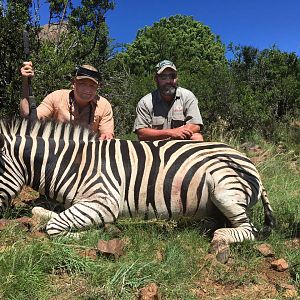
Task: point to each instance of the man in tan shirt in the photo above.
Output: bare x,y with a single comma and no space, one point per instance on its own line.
81,105
170,111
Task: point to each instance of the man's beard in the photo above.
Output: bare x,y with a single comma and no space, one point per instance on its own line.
168,90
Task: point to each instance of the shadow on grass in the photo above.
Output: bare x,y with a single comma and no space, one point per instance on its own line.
24,208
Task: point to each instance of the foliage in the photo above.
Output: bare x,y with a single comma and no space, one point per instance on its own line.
124,91
14,18
80,36
256,91
268,88
186,42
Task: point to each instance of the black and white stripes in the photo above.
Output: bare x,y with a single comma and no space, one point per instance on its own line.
99,180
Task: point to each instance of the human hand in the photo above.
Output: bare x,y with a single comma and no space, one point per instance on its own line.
106,136
27,69
181,133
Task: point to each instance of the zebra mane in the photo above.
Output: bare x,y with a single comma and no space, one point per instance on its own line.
46,129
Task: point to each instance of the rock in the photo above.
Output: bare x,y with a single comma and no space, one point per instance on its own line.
291,294
90,253
159,255
112,230
25,221
265,249
295,243
289,291
279,265
38,235
112,247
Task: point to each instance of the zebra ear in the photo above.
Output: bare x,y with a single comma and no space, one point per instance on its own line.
1,141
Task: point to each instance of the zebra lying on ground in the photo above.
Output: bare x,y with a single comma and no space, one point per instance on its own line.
98,181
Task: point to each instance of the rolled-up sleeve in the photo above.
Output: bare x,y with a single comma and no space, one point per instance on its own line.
192,112
143,116
105,114
46,108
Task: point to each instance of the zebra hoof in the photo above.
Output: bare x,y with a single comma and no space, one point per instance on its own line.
43,213
221,250
223,256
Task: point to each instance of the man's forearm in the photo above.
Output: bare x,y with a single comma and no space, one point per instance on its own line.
24,102
150,134
180,133
196,129
24,107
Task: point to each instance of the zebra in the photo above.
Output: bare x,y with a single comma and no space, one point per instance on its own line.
99,181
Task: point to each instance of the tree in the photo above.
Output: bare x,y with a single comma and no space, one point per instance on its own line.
188,43
80,36
14,16
267,85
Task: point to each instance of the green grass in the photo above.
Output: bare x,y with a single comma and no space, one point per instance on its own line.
281,177
174,258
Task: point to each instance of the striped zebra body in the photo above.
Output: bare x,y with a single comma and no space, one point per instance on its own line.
98,181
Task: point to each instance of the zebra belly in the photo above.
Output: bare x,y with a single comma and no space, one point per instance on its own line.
175,200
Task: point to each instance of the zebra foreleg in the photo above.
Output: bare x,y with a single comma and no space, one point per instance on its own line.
42,216
82,215
43,213
3,207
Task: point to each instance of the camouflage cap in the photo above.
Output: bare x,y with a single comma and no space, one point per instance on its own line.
161,66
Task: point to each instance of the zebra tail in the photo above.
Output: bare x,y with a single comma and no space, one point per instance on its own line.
269,219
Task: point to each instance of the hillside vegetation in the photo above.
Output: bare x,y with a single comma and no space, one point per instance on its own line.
256,91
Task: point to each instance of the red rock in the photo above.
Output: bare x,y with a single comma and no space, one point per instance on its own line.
265,249
279,265
112,247
4,223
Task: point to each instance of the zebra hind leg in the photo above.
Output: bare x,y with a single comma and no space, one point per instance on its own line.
232,204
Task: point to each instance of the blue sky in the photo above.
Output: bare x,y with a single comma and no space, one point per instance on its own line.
258,23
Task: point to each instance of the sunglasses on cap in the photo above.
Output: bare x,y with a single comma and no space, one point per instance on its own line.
81,71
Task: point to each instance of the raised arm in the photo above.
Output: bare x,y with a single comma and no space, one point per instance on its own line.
26,72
